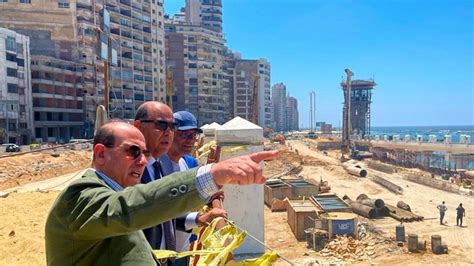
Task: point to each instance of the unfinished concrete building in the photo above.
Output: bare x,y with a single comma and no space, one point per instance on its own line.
196,57
16,121
58,100
360,100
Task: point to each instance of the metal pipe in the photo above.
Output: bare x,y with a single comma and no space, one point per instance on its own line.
356,171
361,209
362,197
382,212
402,205
375,203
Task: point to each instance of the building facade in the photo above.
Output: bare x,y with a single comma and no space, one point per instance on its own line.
252,91
57,90
279,106
16,121
206,13
292,115
139,75
197,56
120,44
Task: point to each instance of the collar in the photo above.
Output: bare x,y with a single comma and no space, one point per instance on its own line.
109,181
151,161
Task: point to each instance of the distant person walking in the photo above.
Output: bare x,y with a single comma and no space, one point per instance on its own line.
461,212
442,210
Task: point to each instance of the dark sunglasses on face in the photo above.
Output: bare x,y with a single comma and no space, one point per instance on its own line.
162,125
188,134
135,152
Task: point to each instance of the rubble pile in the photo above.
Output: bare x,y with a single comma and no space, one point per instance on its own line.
346,248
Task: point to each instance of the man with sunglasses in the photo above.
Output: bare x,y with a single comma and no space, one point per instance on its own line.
178,159
155,120
97,219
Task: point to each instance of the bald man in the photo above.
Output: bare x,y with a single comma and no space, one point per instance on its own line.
156,122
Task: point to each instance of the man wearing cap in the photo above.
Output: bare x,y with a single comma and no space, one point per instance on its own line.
178,159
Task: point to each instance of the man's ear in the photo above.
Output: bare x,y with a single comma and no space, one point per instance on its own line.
137,124
99,154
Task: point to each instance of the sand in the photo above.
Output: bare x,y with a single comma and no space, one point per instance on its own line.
25,214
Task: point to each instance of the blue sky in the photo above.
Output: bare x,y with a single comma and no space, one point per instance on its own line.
420,54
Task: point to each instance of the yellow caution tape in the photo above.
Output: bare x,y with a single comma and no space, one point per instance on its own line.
207,146
217,246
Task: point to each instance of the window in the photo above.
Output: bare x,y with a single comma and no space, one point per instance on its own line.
63,5
25,1
20,61
12,88
10,44
3,1
11,127
11,57
11,72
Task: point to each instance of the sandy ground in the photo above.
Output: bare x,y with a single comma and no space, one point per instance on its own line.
22,227
24,214
423,201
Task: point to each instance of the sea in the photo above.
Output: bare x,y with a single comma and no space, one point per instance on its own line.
425,131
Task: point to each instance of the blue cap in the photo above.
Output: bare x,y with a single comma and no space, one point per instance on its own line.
186,120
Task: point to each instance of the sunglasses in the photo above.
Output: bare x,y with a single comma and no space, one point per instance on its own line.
136,152
162,125
185,134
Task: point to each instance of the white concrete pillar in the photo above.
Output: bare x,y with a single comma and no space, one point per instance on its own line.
243,203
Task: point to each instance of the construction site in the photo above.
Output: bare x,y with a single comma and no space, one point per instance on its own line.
319,192
328,200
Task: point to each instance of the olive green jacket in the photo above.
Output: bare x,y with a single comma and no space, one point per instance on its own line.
91,224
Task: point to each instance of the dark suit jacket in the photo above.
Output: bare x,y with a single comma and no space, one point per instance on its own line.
154,234
91,224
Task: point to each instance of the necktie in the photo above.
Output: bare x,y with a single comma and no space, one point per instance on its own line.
168,230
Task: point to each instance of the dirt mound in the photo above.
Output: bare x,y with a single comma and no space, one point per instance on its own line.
32,167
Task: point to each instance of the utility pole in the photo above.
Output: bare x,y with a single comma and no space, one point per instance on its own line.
311,112
314,109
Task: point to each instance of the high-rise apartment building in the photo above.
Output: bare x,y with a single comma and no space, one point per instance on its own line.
16,121
252,79
196,61
139,76
207,13
292,116
129,34
279,106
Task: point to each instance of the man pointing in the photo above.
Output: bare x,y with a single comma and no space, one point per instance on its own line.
97,219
